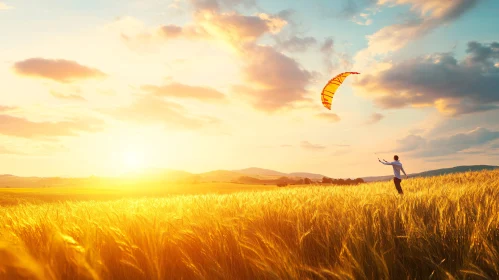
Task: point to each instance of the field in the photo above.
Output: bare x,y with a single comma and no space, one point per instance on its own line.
444,227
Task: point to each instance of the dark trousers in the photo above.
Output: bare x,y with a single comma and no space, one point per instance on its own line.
397,184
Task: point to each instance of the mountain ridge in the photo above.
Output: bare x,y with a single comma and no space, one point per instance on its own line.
228,176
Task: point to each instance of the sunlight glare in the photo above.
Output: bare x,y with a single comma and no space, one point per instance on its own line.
133,160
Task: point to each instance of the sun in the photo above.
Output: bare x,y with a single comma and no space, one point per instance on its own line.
133,160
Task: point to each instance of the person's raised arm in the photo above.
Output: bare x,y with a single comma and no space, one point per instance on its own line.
385,162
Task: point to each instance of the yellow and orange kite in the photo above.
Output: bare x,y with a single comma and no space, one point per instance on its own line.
331,87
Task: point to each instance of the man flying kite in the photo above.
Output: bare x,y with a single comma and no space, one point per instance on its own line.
397,166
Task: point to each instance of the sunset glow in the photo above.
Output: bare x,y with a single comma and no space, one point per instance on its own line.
133,160
209,85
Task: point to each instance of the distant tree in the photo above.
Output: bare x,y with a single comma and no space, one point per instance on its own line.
359,181
307,181
326,180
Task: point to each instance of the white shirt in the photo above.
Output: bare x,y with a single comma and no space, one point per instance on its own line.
397,166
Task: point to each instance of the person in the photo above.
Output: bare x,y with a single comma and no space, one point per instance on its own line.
397,167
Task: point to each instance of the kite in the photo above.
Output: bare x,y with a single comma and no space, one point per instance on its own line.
331,87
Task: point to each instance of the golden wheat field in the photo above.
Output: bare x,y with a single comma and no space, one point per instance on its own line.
444,227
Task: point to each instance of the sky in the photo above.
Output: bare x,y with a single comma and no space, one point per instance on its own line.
107,87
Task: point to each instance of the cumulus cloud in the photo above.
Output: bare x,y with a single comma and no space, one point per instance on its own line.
231,27
60,70
429,15
150,109
20,127
309,146
273,80
330,117
448,145
374,118
185,91
439,80
236,28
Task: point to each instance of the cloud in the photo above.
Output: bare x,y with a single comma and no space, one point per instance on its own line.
439,80
331,117
309,146
333,59
230,27
428,15
185,91
448,145
236,28
150,109
59,70
295,43
274,81
4,7
483,56
74,97
374,118
327,47
20,127
171,31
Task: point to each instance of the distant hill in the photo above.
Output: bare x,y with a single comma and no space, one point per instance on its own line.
436,172
220,176
244,176
260,172
264,173
456,169
311,176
